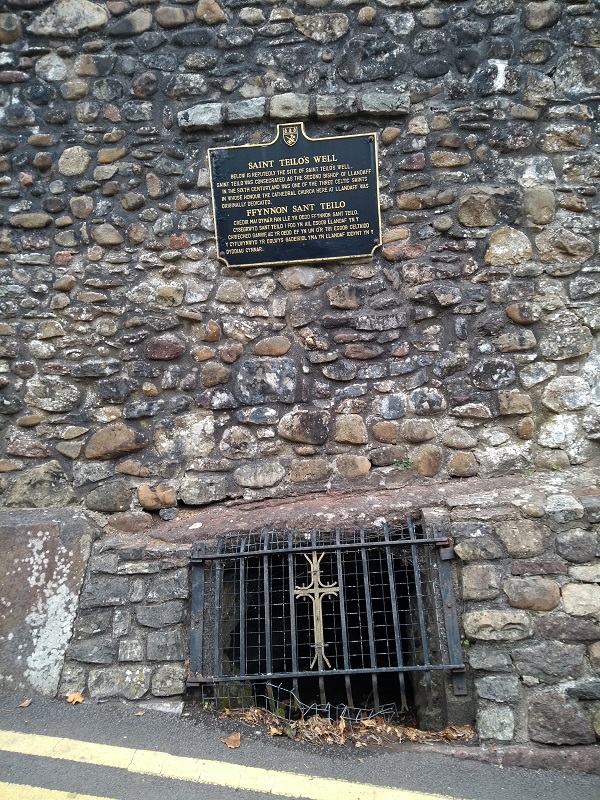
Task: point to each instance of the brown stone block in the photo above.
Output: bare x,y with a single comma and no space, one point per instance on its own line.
307,427
351,429
462,465
440,158
132,467
536,594
151,498
387,432
115,440
514,402
210,331
522,538
418,430
273,346
554,720
497,626
202,353
353,466
215,374
305,470
164,348
231,352
402,252
480,582
427,460
538,568
564,628
210,12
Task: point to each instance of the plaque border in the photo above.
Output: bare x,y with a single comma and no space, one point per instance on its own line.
300,125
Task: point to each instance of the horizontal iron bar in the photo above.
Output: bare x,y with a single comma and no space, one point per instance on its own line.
332,673
322,548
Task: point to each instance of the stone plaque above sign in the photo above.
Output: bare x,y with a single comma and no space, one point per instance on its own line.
296,199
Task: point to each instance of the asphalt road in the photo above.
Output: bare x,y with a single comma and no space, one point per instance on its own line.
199,737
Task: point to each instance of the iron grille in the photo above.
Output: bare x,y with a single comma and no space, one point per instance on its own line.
308,607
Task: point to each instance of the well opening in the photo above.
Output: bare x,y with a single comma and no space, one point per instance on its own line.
343,622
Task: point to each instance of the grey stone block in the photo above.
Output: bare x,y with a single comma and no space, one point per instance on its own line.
160,615
99,650
385,103
121,622
126,682
252,110
101,591
591,504
172,586
104,562
166,645
205,116
549,662
496,722
91,624
289,106
500,688
131,650
489,660
168,680
554,720
334,106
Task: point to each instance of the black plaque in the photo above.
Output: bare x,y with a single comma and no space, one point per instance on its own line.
296,199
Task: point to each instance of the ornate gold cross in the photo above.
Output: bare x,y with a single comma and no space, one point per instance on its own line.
315,591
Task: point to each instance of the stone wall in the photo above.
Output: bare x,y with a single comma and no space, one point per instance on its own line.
138,372
130,639
139,376
527,585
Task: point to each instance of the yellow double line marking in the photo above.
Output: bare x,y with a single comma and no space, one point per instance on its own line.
18,791
197,770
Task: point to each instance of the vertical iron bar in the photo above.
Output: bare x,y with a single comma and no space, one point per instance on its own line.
322,695
343,621
267,607
420,606
197,612
370,626
217,635
444,554
293,632
394,601
242,607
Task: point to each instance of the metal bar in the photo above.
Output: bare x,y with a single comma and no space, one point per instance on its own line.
394,601
343,620
420,605
321,548
242,610
326,674
320,644
267,608
370,627
217,634
197,613
450,619
292,597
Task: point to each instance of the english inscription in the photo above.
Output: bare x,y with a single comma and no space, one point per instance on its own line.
296,199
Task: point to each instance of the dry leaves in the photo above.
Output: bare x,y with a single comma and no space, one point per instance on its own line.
364,733
232,741
75,697
139,713
25,704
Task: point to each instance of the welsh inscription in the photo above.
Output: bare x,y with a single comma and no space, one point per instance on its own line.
296,199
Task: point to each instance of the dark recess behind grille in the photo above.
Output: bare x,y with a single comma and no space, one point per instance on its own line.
389,612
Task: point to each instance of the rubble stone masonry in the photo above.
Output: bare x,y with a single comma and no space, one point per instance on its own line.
140,377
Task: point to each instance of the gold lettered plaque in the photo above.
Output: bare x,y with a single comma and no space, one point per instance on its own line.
296,199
